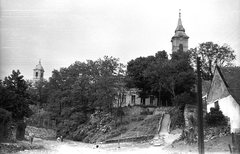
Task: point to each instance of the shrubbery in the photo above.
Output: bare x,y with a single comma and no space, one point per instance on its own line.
215,118
184,98
177,118
5,118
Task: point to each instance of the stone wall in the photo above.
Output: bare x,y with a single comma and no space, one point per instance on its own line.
190,116
40,132
162,110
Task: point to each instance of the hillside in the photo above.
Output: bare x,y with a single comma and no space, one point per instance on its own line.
102,126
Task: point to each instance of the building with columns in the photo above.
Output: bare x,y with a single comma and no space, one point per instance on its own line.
180,39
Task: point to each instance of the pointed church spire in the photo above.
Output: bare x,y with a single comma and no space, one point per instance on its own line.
180,38
179,26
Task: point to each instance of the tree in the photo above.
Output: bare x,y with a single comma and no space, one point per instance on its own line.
155,73
85,84
110,70
136,75
38,91
15,99
215,117
211,55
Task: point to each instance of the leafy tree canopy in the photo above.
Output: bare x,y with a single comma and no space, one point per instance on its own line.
85,85
212,54
156,74
13,96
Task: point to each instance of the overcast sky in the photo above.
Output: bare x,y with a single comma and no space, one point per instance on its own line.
60,32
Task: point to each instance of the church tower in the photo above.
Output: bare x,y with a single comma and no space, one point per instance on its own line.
180,39
38,72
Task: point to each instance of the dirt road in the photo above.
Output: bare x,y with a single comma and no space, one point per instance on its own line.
71,147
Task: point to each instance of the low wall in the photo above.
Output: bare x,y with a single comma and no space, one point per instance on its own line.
132,139
40,132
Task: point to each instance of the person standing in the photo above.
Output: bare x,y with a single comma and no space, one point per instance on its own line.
31,136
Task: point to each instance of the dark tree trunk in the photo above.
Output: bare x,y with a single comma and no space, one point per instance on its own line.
159,96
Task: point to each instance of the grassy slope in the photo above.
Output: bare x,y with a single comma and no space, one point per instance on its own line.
138,125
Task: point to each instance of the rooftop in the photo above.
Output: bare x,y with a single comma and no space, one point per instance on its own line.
231,77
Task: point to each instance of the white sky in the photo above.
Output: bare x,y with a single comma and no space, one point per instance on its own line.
59,32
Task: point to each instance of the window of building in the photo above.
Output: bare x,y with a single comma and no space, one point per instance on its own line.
41,75
133,99
124,98
151,100
143,101
181,47
36,74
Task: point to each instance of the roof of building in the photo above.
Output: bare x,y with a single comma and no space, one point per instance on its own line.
180,31
205,87
179,26
39,66
231,77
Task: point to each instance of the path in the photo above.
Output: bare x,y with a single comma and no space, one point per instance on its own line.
165,122
164,138
71,147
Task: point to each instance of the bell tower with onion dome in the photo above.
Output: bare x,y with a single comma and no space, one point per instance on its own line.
180,39
38,72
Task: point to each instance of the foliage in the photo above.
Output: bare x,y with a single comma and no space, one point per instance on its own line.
5,119
13,96
215,118
4,116
184,98
91,84
177,118
159,76
212,54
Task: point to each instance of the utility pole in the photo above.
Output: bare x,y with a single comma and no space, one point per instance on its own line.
200,109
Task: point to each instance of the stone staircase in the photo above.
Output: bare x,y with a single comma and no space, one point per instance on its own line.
160,138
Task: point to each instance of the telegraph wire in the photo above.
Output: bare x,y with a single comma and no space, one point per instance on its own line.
231,33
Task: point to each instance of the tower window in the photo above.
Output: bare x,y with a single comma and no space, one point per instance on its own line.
36,74
180,47
41,75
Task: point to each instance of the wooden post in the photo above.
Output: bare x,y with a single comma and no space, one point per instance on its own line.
200,109
236,143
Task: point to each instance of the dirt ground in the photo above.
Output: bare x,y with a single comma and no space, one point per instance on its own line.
217,145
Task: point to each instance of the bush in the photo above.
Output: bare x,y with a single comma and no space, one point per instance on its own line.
177,118
183,98
4,115
215,118
5,118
